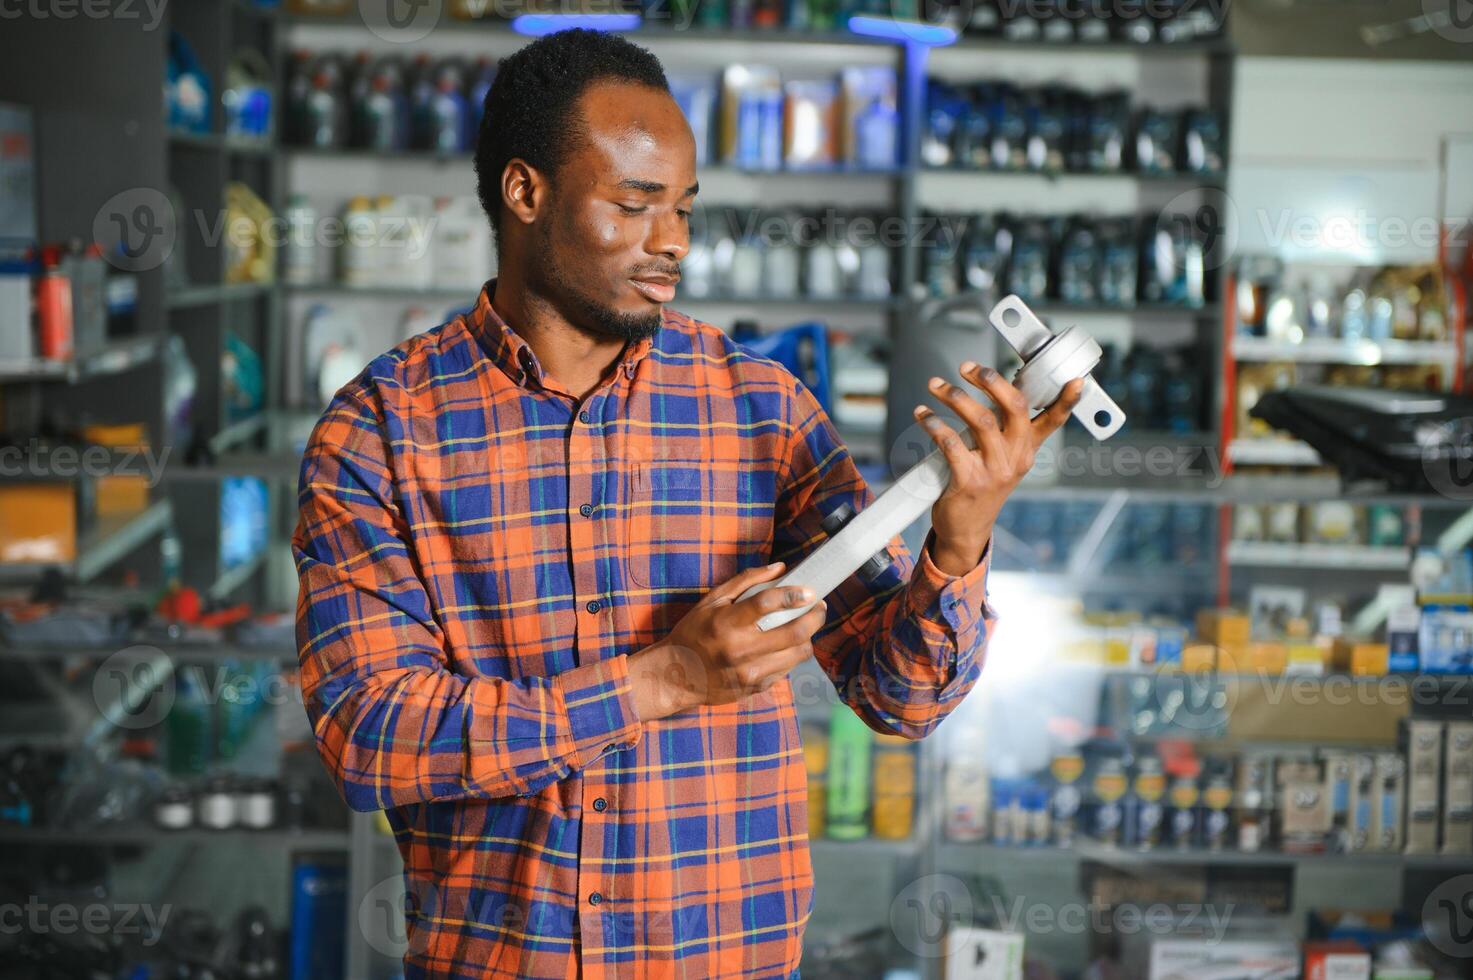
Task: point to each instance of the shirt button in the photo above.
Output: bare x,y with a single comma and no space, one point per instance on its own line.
586,510
595,898
582,416
600,804
592,606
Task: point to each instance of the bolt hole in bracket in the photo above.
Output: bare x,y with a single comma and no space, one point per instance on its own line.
858,541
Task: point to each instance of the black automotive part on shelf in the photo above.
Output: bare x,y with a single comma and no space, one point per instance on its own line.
1411,441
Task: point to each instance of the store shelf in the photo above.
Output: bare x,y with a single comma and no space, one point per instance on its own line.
1154,49
149,836
957,855
181,653
1183,179
856,303
220,143
1269,451
1331,351
869,848
1338,557
113,358
111,539
462,294
191,296
88,711
1054,310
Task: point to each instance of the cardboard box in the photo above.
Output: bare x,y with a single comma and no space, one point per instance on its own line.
1336,960
1402,624
1339,776
1199,657
1457,788
1303,806
1421,746
38,523
1307,658
983,954
1266,658
1360,658
1195,959
1386,817
1223,627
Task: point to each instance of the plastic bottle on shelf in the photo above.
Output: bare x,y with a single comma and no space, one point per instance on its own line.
405,229
54,307
358,255
463,252
851,744
482,74
299,258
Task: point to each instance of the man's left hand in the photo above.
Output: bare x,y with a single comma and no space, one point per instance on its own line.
981,479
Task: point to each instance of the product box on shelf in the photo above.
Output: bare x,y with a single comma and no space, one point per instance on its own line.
1195,959
1457,789
1339,777
1387,831
1401,639
1362,802
1442,640
983,954
1421,746
1336,960
1359,658
1223,627
38,523
1304,806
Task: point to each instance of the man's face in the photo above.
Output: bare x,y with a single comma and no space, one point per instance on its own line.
609,241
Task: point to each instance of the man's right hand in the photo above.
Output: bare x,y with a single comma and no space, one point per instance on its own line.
716,654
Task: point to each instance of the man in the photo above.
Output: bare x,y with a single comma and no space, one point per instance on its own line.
522,536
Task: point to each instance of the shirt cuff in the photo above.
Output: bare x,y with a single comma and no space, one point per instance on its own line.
957,600
599,702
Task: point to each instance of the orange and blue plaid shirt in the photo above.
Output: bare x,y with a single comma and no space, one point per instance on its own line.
479,554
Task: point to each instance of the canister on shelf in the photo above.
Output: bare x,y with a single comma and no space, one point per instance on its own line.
816,761
1107,788
1217,800
851,744
1184,797
1066,768
1148,792
894,781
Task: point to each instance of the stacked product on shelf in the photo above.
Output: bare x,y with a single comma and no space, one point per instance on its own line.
996,126
860,784
1080,260
789,253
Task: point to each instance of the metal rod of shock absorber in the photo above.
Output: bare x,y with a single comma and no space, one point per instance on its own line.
1050,361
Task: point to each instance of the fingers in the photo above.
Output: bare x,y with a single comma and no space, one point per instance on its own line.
961,459
1003,393
797,632
1049,421
774,599
986,432
733,587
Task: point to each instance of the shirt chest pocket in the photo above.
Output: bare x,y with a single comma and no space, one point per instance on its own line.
690,525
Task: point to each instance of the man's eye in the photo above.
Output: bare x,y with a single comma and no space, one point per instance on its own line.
684,215
632,210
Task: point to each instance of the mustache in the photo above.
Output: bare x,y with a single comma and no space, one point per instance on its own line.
658,270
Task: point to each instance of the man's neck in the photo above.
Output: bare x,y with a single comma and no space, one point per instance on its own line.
577,359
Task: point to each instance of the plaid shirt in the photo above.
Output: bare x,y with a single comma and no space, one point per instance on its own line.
480,553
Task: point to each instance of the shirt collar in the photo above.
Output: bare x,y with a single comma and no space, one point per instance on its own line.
515,357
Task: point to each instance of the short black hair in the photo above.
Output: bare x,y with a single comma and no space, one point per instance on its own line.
530,111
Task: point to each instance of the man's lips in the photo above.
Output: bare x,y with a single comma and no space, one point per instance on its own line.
656,289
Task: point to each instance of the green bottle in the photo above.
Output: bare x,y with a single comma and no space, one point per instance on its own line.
851,744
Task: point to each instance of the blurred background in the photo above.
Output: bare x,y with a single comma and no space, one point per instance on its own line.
1226,724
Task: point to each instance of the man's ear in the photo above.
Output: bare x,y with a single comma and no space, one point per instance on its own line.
522,190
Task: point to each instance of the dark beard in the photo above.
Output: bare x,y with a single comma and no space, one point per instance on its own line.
585,312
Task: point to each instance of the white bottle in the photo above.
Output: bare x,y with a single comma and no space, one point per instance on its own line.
404,233
299,259
358,255
464,255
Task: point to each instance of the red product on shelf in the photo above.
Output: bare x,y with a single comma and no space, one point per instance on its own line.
1339,959
54,307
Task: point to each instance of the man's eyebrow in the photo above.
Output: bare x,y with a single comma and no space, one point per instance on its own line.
655,187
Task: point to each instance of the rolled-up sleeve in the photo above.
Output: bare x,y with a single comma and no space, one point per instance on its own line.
904,648
393,723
